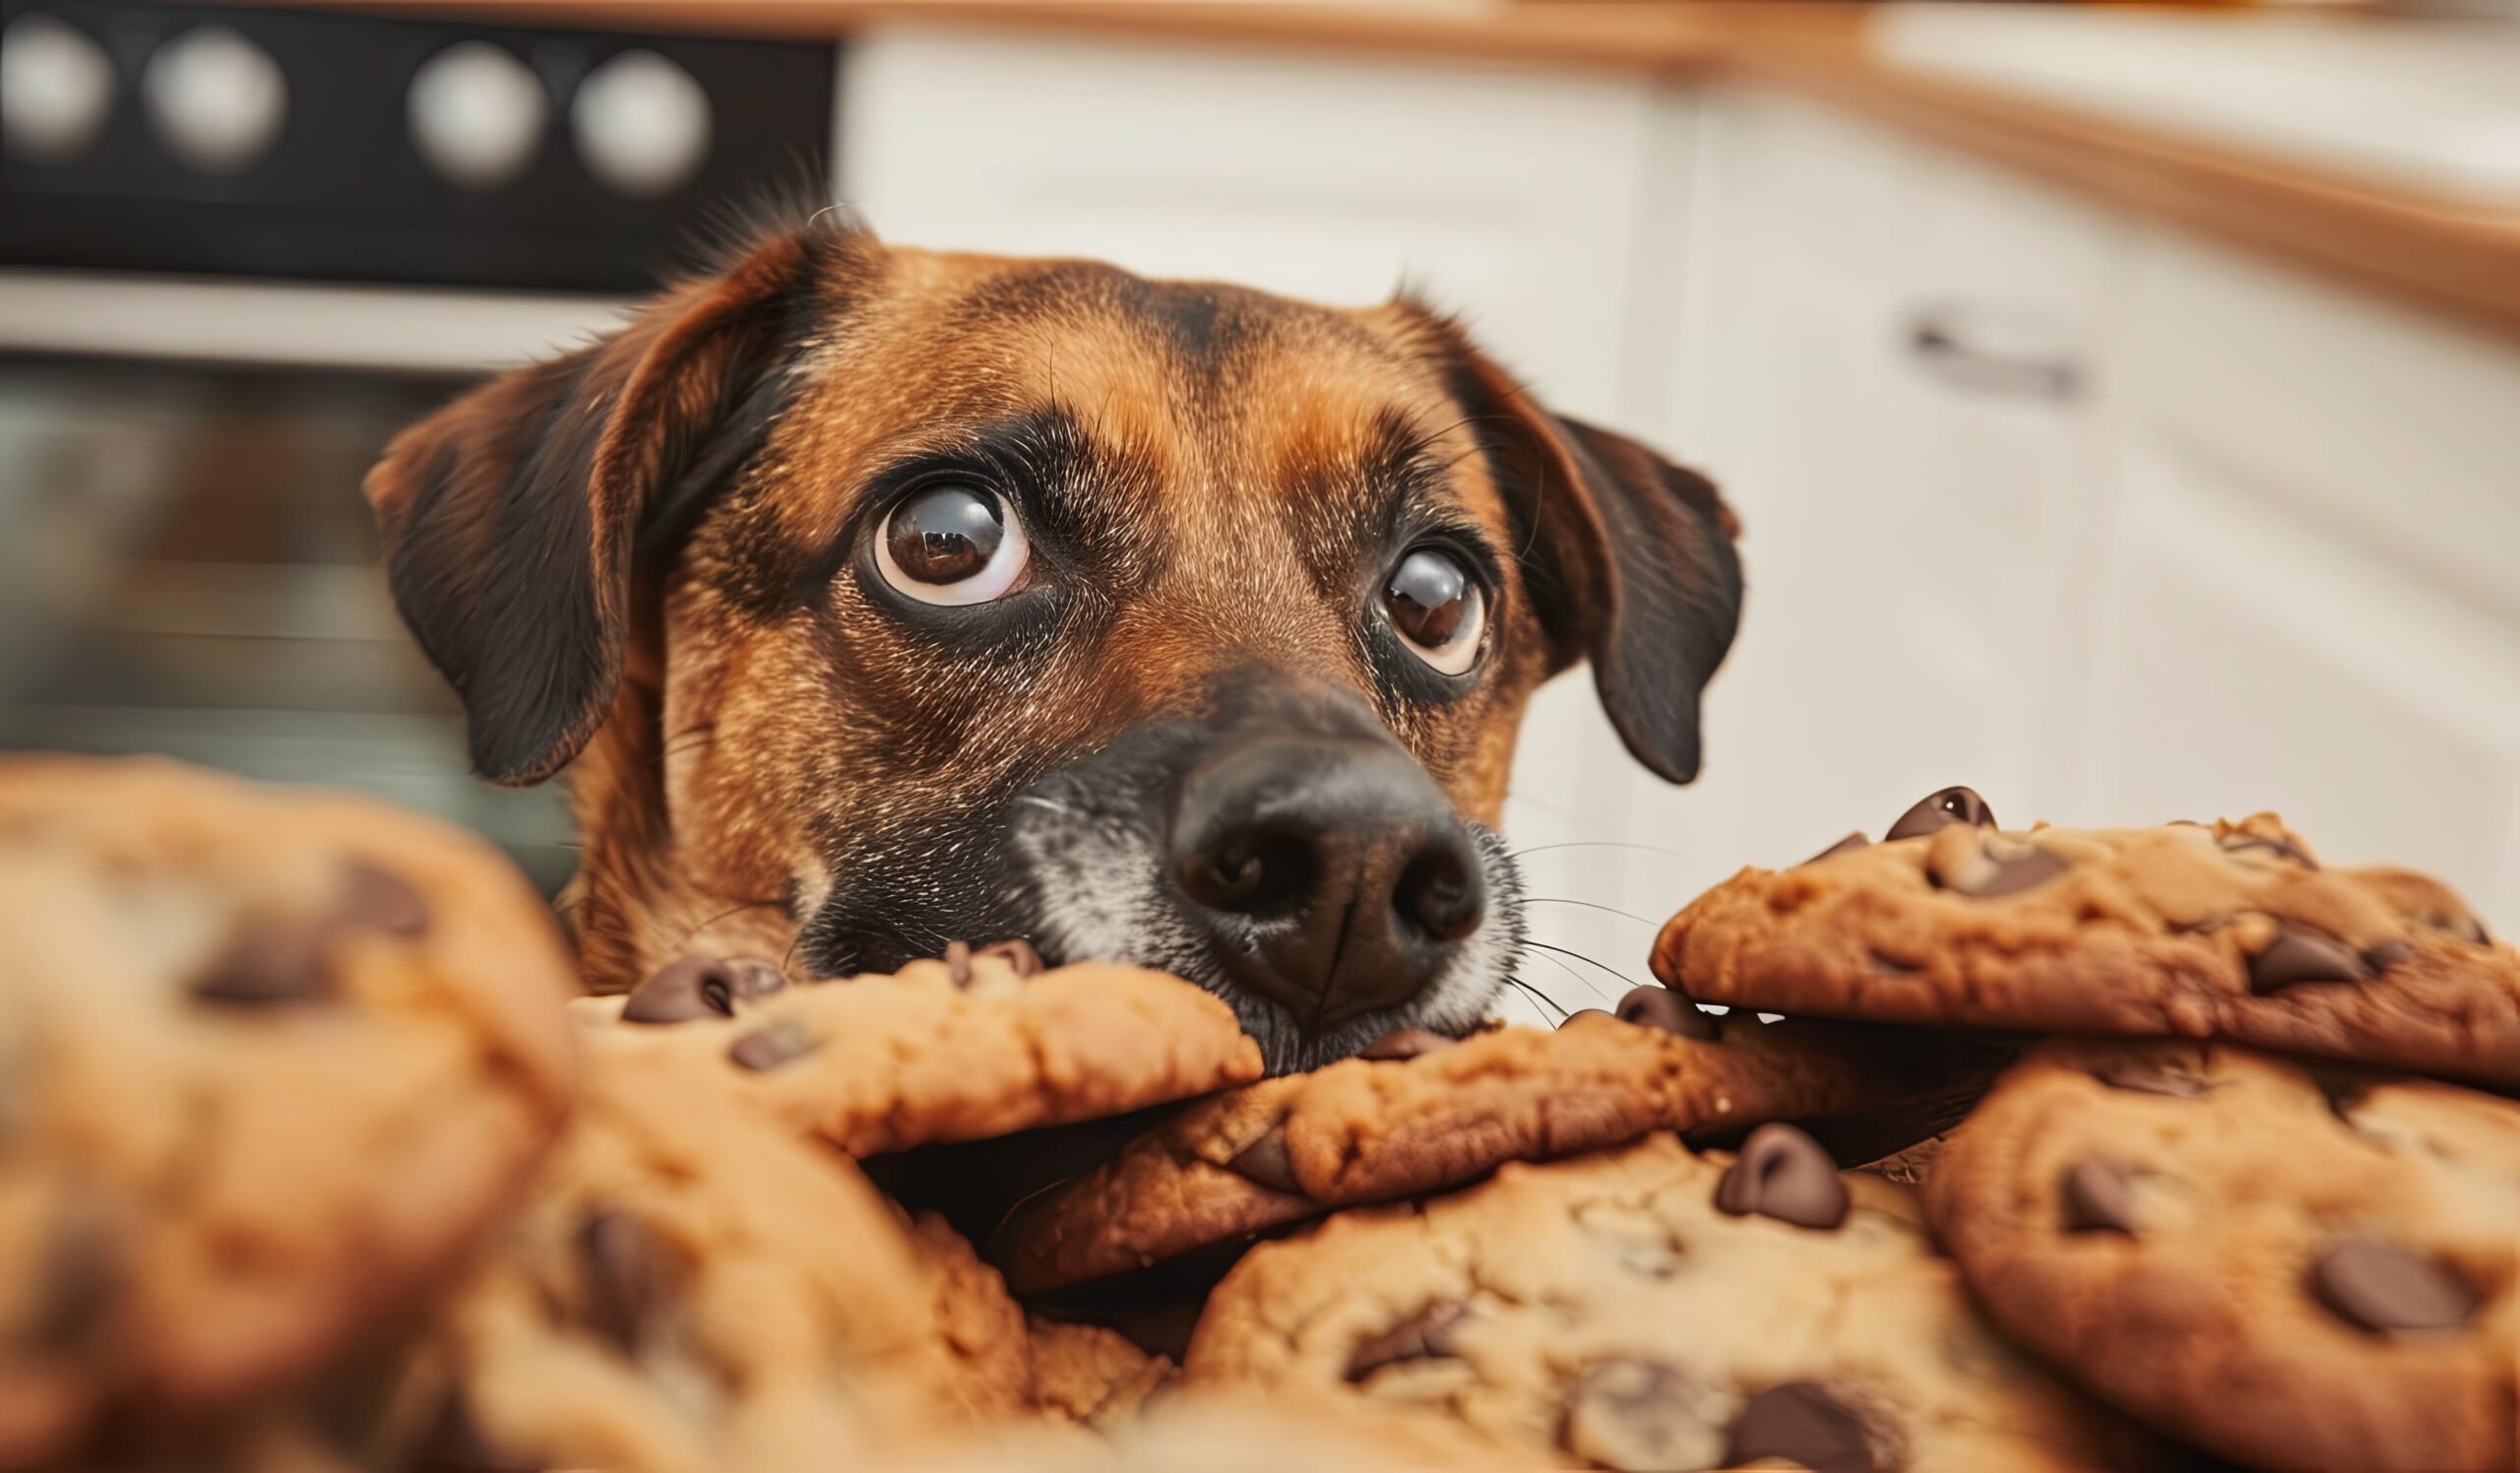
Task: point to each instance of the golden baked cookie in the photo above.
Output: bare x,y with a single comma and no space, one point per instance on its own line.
692,1287
1429,1114
272,1062
1654,1308
2292,1270
2233,930
956,1050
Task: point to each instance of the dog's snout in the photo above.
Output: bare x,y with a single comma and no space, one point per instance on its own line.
1333,873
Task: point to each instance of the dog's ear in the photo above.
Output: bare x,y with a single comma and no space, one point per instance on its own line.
1628,558
510,518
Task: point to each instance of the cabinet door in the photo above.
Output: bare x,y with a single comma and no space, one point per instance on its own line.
1513,196
1915,513
2312,605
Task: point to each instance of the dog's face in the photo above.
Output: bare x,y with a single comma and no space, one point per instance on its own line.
901,597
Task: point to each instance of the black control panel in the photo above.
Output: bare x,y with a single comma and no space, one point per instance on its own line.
326,145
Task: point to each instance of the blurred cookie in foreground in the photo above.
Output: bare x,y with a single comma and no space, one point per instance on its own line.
1654,1308
979,1044
2230,930
692,1287
2293,1267
1421,1112
273,1063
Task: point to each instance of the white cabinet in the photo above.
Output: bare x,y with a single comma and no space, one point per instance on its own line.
2313,600
1889,359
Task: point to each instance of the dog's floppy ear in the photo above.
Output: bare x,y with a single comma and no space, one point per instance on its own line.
510,518
1628,558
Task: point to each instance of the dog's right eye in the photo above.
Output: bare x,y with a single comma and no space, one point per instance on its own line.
952,544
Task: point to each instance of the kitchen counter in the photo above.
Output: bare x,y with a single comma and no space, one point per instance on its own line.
1990,84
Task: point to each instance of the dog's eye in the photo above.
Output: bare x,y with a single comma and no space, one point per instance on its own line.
1436,606
952,544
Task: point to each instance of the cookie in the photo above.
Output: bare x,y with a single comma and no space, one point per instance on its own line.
2291,1270
2230,931
1092,1375
694,1287
1655,1308
1420,1112
1210,1433
970,1047
272,1061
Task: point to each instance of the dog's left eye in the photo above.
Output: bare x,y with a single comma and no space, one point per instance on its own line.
1437,607
952,544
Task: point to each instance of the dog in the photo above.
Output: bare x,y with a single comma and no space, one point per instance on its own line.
875,597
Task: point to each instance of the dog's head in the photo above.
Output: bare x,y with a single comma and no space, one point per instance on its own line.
889,598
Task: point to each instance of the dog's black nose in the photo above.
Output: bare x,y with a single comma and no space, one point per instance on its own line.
1333,873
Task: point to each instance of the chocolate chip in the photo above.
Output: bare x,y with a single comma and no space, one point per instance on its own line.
1425,1336
1016,952
2281,849
81,1280
2010,872
2387,955
628,1274
771,1047
269,963
1801,1423
2300,954
700,986
1784,1174
2154,1079
1266,1162
1405,1043
2384,1288
1640,1415
1847,845
1940,811
380,900
1659,1007
2096,1196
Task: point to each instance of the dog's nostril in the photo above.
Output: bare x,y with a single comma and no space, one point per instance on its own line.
1252,874
1437,895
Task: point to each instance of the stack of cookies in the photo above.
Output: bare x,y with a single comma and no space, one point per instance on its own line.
2070,1150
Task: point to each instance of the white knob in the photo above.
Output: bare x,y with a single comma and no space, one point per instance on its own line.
476,113
642,123
56,89
216,98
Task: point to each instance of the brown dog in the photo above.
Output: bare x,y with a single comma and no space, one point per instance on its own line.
875,597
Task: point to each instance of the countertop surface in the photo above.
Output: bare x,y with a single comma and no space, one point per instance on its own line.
2386,153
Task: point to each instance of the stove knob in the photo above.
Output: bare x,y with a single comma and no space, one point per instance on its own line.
215,98
642,124
56,89
476,113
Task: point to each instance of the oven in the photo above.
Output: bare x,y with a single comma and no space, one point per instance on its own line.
239,248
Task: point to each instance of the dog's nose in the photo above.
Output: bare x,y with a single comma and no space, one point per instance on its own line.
1333,873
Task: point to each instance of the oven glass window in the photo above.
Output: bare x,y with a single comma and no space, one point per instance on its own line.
187,567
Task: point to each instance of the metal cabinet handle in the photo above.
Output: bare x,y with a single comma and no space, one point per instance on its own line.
1992,353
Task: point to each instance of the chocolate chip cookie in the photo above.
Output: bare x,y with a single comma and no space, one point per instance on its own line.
2233,930
976,1044
1420,1112
2293,1269
694,1287
1655,1308
272,1062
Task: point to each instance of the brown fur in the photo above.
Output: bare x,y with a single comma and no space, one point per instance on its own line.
742,721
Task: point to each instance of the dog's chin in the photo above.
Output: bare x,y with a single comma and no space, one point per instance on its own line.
1088,888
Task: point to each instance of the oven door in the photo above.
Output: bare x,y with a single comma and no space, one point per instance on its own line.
187,566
